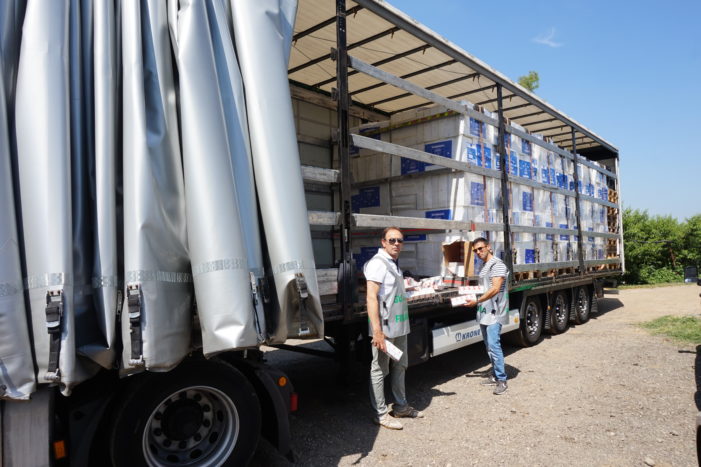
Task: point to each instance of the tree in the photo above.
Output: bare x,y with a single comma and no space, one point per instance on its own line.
658,247
531,81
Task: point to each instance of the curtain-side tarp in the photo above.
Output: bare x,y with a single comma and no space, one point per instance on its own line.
218,180
156,334
43,120
109,210
263,34
17,379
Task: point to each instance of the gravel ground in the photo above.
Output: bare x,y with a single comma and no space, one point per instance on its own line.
605,393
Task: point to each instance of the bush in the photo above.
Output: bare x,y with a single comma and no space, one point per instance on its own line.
653,275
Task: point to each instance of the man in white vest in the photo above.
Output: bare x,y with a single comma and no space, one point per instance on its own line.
492,310
388,314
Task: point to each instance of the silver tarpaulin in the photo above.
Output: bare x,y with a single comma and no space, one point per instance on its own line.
263,33
109,221
215,155
16,366
156,317
44,154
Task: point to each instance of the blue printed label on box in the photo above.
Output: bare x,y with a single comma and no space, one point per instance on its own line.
473,154
524,168
513,163
487,157
564,237
527,201
476,127
530,256
549,236
477,194
410,166
439,214
365,255
440,148
545,176
553,180
415,238
526,147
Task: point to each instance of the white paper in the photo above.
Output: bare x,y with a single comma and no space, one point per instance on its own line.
393,351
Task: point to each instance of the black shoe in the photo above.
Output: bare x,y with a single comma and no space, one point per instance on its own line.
501,388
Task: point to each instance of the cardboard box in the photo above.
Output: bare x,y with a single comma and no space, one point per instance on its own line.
458,259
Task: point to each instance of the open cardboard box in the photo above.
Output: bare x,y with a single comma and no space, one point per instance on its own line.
458,261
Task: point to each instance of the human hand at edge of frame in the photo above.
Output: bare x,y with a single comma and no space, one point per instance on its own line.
470,303
378,340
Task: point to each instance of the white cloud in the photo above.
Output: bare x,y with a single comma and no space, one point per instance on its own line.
547,39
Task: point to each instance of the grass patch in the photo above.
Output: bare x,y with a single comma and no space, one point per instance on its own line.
653,286
680,328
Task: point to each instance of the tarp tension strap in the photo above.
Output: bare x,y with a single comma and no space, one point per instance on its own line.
54,318
303,291
134,304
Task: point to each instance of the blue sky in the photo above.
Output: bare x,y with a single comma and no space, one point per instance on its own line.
629,71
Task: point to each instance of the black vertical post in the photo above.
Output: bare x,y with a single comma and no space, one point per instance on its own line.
503,157
578,214
346,273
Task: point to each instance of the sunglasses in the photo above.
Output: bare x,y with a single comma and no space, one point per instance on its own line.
477,250
392,241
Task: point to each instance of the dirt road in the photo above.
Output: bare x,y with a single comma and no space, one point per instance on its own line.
605,394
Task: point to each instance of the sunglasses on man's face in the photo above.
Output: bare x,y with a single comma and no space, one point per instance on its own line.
478,249
392,241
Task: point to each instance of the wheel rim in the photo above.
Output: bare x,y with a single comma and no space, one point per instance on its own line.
582,303
198,425
532,319
560,311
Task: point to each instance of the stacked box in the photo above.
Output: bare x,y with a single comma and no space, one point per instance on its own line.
469,197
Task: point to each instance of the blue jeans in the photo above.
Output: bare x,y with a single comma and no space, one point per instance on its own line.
492,340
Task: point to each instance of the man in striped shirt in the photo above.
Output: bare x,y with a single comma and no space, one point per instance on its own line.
492,309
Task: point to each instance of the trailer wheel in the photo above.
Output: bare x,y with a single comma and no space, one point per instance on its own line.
532,323
560,313
582,305
201,413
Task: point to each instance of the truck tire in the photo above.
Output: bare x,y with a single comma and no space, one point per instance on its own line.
582,304
560,313
204,412
531,326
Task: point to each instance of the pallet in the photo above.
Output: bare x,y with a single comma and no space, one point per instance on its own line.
530,275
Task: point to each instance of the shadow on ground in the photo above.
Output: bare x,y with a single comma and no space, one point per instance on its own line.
338,412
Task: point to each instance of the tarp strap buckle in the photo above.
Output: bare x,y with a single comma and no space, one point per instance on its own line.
54,319
303,291
134,304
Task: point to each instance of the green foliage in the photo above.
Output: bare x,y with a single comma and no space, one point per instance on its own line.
531,81
681,328
658,247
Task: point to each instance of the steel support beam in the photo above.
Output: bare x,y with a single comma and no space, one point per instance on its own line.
348,47
408,75
323,24
578,213
501,150
346,287
378,63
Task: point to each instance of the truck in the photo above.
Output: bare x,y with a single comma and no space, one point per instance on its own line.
184,182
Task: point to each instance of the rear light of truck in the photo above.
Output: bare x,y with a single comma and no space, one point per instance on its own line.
294,402
59,449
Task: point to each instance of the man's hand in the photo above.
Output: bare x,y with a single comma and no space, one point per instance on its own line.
470,303
378,340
